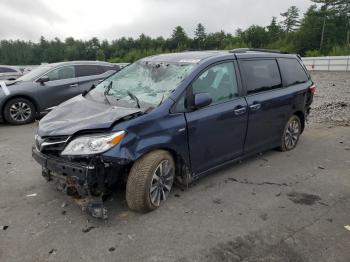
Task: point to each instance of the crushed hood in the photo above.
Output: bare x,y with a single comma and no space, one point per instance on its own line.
79,114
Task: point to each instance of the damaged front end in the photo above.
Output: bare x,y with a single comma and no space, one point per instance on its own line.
87,178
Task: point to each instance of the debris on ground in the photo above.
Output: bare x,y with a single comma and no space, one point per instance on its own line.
5,227
32,195
87,229
347,227
53,251
217,201
303,198
321,167
264,216
64,204
111,249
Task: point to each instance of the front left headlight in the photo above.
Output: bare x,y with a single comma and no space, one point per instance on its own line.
92,144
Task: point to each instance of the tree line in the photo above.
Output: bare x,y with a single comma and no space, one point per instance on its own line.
324,29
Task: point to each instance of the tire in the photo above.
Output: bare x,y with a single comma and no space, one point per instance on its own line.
142,185
25,111
291,134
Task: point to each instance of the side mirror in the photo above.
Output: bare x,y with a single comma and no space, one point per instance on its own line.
202,100
44,79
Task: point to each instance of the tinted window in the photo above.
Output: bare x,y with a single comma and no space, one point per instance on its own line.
292,71
7,70
62,73
104,69
219,81
87,70
261,75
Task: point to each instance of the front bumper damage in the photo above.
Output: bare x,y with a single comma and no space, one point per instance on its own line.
88,181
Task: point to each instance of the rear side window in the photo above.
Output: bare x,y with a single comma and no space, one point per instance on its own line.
7,70
292,71
87,70
261,75
104,69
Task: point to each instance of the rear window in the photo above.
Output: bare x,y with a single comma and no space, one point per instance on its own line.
87,70
261,75
292,71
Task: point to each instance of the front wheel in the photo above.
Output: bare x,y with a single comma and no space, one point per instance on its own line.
291,134
19,111
150,181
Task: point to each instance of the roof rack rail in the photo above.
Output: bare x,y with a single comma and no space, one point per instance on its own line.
245,50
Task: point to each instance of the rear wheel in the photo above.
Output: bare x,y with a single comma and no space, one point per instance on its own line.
19,111
291,134
150,181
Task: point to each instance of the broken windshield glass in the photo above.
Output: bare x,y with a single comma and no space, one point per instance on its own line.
150,82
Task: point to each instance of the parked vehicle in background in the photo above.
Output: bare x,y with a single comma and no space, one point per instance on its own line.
173,117
9,73
46,86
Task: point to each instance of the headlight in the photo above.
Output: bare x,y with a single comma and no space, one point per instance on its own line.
93,144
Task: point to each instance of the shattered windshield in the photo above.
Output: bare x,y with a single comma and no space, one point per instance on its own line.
142,84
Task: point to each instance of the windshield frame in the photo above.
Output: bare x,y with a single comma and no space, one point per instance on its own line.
37,76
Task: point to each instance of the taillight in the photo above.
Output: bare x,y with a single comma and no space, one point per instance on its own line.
312,89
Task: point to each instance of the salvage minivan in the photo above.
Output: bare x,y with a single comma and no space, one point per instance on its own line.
173,117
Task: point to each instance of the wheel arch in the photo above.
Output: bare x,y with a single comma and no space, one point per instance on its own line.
31,99
182,166
301,116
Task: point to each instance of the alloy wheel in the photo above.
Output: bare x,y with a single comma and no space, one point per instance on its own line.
162,181
292,134
20,111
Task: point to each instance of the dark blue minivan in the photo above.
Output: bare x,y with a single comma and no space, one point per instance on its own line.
173,118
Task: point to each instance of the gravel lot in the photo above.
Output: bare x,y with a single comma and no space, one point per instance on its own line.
276,206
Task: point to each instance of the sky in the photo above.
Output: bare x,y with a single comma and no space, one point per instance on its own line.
112,19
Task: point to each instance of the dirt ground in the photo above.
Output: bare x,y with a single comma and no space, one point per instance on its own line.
276,206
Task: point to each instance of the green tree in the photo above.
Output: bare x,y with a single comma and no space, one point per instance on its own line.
100,55
179,39
200,36
274,30
291,19
256,36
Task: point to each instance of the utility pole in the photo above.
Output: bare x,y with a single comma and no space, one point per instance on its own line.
322,35
324,24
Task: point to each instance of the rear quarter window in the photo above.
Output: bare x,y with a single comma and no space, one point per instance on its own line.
292,71
7,70
260,75
87,70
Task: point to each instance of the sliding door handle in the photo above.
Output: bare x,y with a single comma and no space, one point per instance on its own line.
254,107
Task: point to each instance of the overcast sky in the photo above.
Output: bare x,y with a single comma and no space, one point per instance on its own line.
111,19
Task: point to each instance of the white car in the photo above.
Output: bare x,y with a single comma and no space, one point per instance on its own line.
9,73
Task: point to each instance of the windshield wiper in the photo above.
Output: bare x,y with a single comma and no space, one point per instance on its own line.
106,92
134,98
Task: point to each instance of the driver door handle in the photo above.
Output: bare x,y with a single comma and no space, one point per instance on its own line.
73,85
240,111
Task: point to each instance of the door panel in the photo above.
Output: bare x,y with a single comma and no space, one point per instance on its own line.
53,93
269,103
216,134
